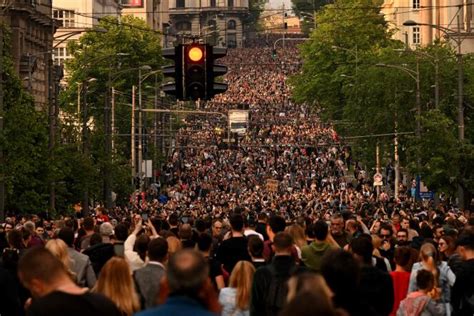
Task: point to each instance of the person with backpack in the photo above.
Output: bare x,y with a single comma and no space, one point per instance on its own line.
269,286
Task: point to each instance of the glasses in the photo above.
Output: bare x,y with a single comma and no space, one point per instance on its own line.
385,236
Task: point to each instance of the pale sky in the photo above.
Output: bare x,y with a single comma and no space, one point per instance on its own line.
277,4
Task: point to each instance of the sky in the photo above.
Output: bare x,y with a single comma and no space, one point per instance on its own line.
277,4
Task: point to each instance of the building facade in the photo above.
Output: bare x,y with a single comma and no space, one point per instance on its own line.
75,18
32,30
455,15
217,22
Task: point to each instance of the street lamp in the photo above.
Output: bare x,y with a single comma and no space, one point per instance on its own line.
415,75
457,38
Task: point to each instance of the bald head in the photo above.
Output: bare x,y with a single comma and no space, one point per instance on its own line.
187,272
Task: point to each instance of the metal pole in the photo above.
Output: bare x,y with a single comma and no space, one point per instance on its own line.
132,133
85,149
418,100
155,127
113,120
396,158
52,127
108,146
140,127
2,114
377,162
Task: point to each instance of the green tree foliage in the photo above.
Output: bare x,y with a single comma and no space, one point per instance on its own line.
24,142
364,83
112,59
251,21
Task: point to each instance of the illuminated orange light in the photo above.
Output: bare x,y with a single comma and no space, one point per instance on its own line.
195,54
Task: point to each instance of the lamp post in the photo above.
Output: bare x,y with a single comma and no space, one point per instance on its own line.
415,75
458,39
85,141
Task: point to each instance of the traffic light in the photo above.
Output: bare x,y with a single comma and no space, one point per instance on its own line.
214,70
174,71
195,71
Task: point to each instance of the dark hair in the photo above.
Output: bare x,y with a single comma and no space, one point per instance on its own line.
141,245
342,273
236,222
363,247
403,257
200,225
387,227
424,280
403,231
15,238
173,219
66,234
40,263
121,232
204,242
466,239
282,241
185,231
187,272
157,249
88,223
320,230
255,245
277,224
96,238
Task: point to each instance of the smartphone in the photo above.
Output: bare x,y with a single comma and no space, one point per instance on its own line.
144,217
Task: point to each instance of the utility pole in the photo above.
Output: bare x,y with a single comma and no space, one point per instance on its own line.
155,128
2,115
85,148
396,158
140,128
113,120
108,146
377,167
132,133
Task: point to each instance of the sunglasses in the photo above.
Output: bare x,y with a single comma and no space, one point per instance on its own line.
385,236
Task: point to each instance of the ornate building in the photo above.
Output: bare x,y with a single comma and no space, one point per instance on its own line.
455,15
32,30
217,22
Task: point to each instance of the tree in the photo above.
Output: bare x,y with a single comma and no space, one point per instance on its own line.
24,142
113,59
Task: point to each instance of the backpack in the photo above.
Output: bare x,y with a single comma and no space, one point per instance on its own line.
277,291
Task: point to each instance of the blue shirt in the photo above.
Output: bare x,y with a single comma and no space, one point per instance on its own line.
177,306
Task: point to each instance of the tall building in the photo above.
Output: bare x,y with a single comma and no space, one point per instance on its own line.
219,22
455,15
32,30
153,12
76,17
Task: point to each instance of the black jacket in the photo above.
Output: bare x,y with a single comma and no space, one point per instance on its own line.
376,289
283,266
463,289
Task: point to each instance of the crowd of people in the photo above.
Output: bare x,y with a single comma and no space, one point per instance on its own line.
281,221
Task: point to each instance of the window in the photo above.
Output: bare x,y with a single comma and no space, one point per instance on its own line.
416,4
65,16
231,40
230,3
416,35
213,3
231,25
60,55
183,26
180,3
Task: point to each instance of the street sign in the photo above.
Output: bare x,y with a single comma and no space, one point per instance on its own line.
427,195
378,179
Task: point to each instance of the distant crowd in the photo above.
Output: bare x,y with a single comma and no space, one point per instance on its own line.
279,221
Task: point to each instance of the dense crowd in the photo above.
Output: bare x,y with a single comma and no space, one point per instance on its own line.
281,221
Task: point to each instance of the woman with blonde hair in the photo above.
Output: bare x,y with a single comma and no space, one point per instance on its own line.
116,283
59,249
444,277
235,299
299,237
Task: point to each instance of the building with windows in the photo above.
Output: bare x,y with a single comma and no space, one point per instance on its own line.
456,15
74,18
153,12
32,30
217,22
